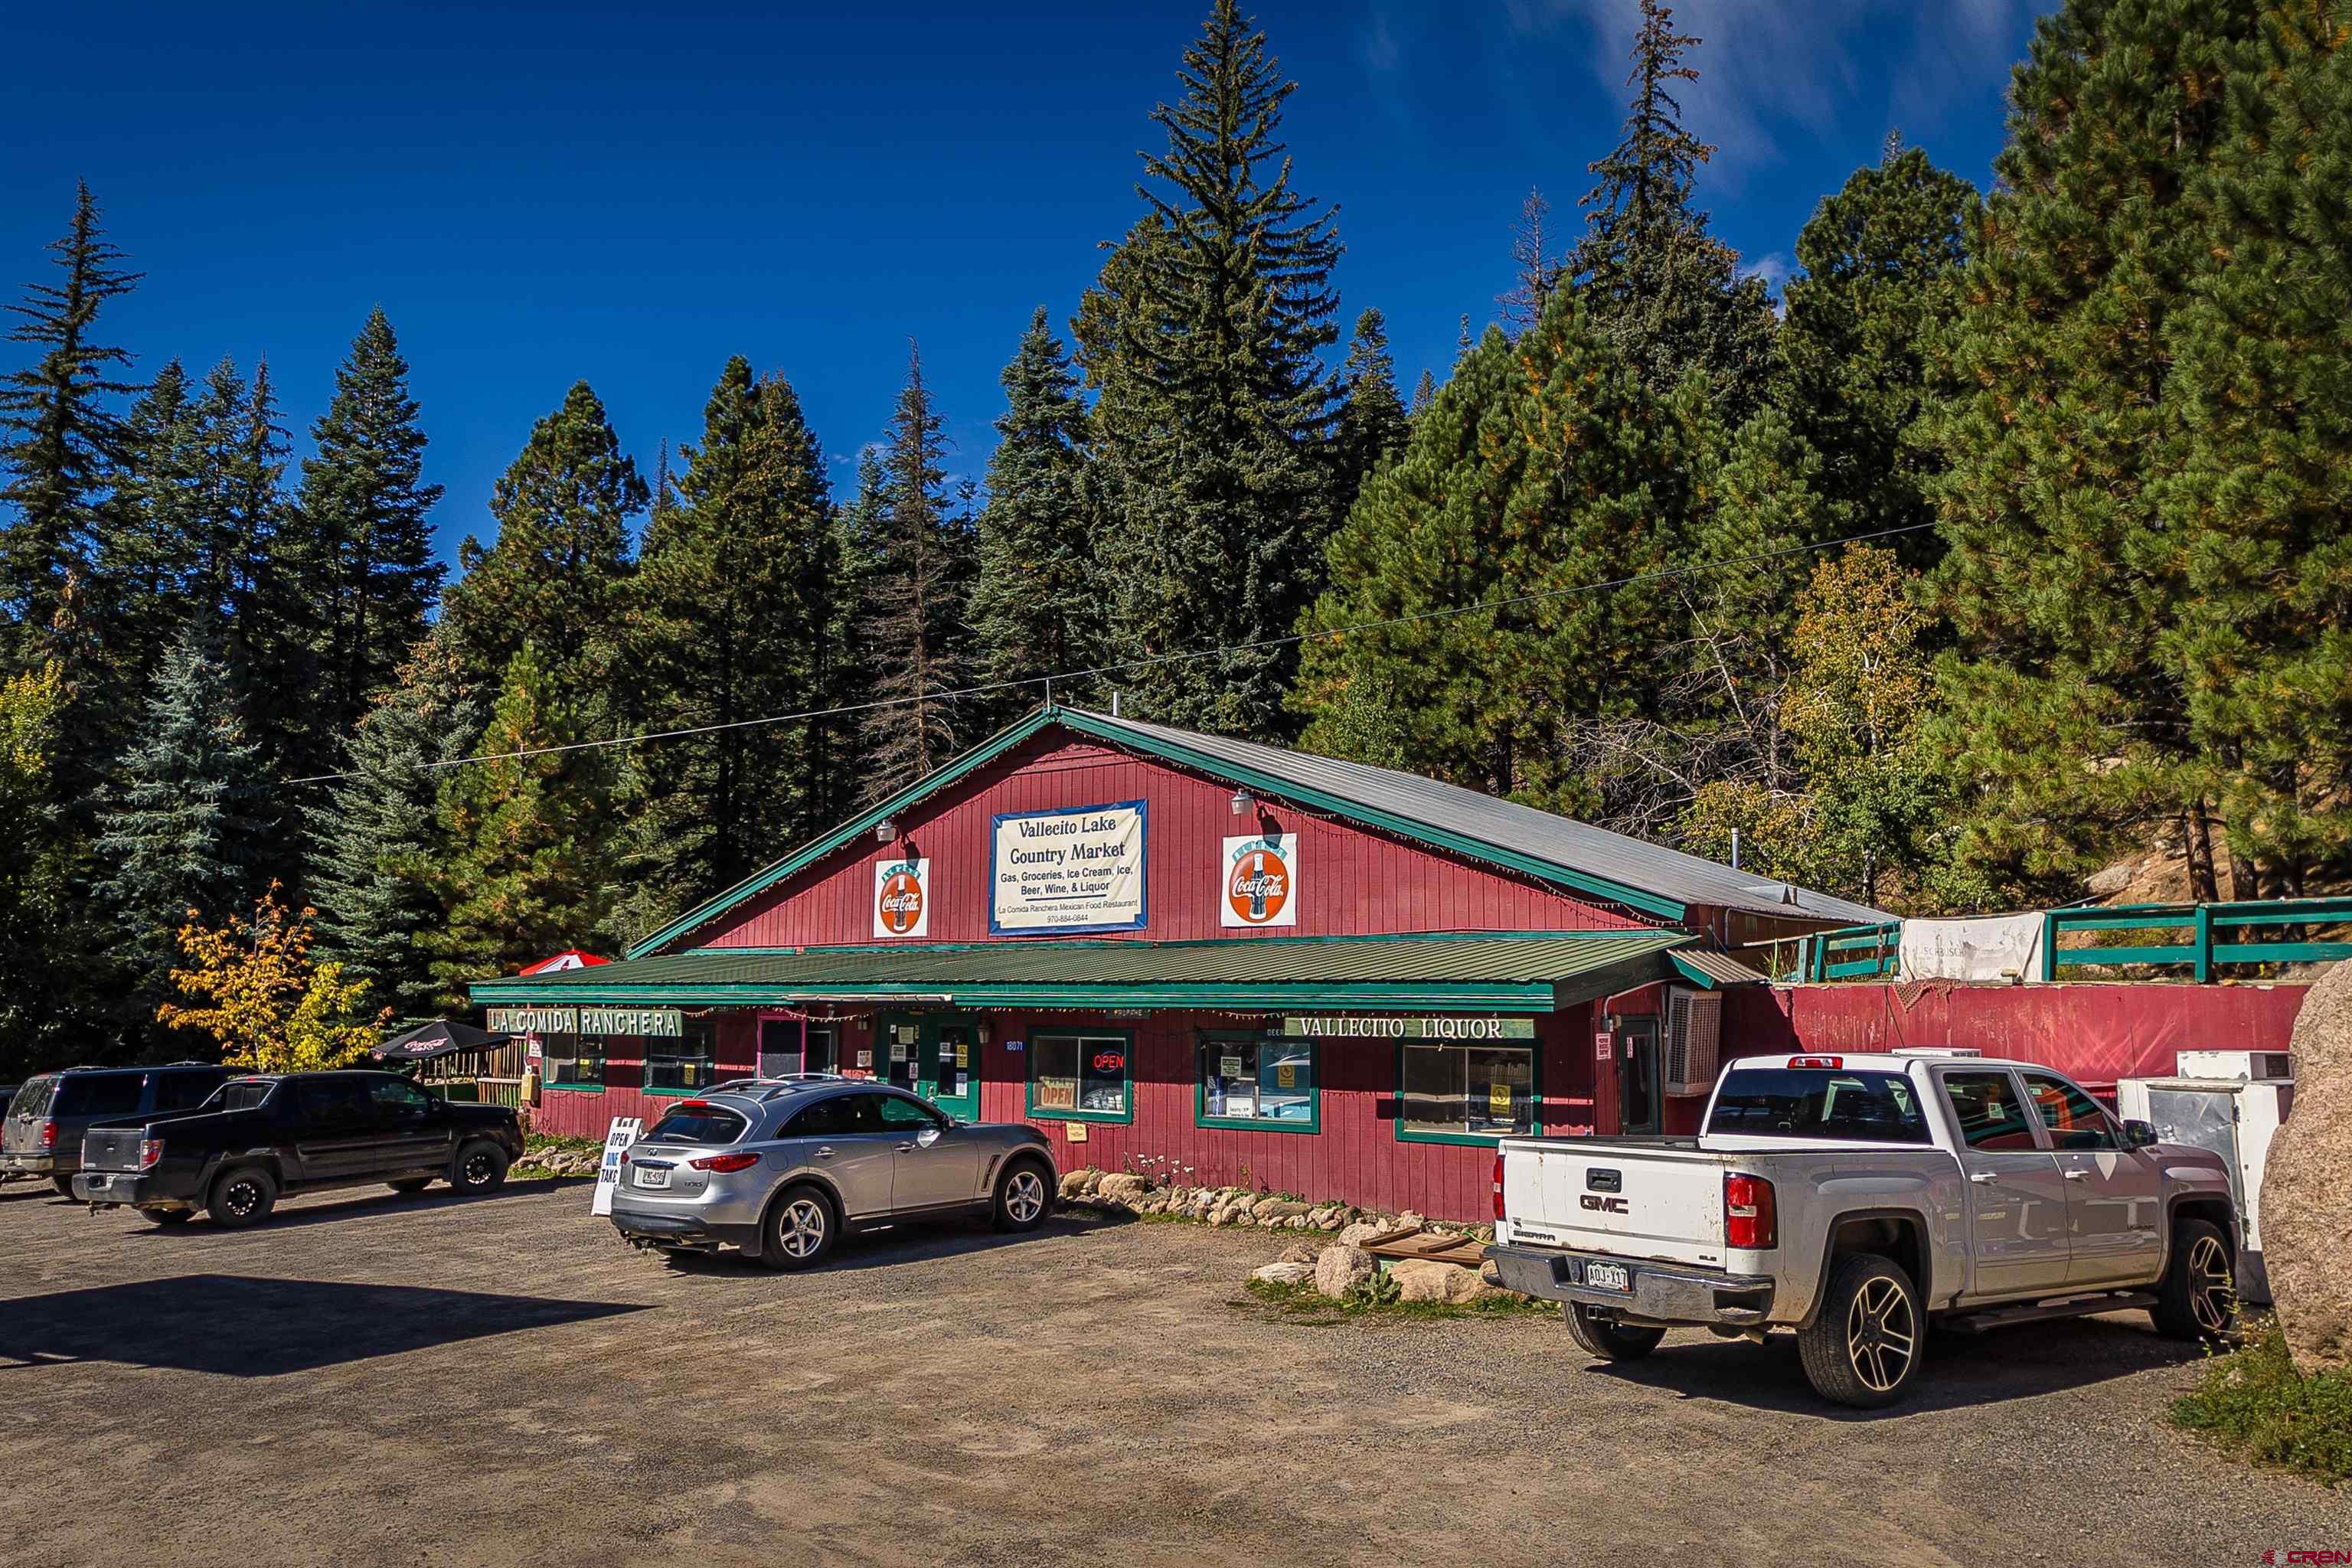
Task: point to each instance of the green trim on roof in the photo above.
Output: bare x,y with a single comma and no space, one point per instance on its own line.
1125,739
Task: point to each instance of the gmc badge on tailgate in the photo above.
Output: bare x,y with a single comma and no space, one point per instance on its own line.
1606,1205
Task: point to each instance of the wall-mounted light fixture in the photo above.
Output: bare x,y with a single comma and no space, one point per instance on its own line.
983,1032
1243,801
886,830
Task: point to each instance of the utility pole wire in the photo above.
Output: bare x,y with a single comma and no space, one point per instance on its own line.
1664,574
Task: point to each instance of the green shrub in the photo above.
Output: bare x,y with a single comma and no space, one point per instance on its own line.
2254,1402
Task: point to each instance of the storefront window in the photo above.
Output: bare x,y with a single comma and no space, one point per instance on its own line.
1081,1077
1248,1081
822,1053
683,1064
572,1061
1467,1091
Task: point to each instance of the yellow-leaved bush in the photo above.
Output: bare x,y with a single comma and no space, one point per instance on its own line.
270,1009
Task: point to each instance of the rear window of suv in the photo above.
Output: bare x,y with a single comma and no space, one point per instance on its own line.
33,1098
98,1094
698,1124
1797,1102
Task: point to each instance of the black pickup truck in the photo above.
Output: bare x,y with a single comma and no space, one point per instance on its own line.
270,1134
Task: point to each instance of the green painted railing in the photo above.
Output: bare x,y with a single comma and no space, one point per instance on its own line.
1851,953
2270,930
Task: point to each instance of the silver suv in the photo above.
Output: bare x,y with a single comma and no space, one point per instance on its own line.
781,1168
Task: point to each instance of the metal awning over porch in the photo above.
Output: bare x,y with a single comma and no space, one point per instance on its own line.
1483,972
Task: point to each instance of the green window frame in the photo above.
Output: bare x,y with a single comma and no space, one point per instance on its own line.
1466,1055
582,1067
1091,1044
688,1065
1263,1054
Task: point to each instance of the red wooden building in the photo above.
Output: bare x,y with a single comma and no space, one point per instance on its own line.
1194,956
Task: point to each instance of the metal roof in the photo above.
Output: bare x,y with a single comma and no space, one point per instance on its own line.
1712,970
1470,971
1508,826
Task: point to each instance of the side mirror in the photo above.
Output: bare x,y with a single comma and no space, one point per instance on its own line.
927,1136
2139,1135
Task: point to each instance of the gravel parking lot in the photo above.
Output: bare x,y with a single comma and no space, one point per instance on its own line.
384,1380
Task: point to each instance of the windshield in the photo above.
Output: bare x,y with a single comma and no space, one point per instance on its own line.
1797,1102
698,1124
242,1094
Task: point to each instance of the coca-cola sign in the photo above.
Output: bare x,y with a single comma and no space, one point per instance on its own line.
902,898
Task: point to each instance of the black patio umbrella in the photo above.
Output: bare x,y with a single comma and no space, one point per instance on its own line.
438,1039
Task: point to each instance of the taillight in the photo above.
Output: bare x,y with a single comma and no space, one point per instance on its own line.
725,1163
48,1134
150,1150
1832,1063
1498,1187
1750,1222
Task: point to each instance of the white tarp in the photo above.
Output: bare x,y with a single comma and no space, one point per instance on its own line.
2001,948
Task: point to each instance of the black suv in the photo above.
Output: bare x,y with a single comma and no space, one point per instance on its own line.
41,1134
264,1135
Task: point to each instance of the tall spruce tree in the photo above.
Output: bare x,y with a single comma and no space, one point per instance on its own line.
2066,581
917,595
373,840
1203,337
183,829
733,592
1535,270
367,509
1372,421
60,438
1036,599
521,840
1660,289
1881,259
556,575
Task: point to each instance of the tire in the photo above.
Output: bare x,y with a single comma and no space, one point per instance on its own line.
410,1184
1597,1336
241,1197
799,1230
1024,1196
2197,1296
64,1185
167,1216
1863,1345
478,1167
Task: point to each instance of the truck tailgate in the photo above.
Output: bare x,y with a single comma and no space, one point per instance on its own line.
1629,1200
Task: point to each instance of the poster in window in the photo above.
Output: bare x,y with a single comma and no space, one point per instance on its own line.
902,898
1261,877
1498,1100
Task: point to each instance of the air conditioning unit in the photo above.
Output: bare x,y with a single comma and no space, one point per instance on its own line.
1694,1033
2246,1067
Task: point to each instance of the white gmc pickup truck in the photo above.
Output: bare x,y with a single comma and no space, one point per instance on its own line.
1857,1198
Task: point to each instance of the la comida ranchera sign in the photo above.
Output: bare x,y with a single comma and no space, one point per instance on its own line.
902,898
1261,881
1067,871
1403,1026
657,1023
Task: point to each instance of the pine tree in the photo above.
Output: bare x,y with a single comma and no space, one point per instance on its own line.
733,592
368,510
521,840
145,556
59,440
916,601
375,834
1424,392
2073,715
54,974
556,575
846,652
281,589
1036,600
1660,289
1882,261
1203,336
182,830
1372,423
1536,271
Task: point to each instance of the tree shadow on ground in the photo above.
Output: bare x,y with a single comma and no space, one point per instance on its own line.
244,1327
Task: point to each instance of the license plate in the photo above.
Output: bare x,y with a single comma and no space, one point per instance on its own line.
1608,1277
649,1177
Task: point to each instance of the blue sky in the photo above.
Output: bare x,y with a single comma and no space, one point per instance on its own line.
631,194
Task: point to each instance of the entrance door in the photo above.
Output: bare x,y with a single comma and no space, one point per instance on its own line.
782,1043
1637,1079
938,1058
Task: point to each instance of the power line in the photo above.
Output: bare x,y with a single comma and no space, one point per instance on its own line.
1662,575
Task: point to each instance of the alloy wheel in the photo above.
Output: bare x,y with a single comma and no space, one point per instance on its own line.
242,1197
803,1227
1024,1196
2212,1291
477,1168
1880,1334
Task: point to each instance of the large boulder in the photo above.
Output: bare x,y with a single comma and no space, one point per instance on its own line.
1341,1269
2307,1204
1121,1187
1362,1231
1286,1273
1426,1280
1080,1182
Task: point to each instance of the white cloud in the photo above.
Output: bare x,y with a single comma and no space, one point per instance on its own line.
1763,63
1381,50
